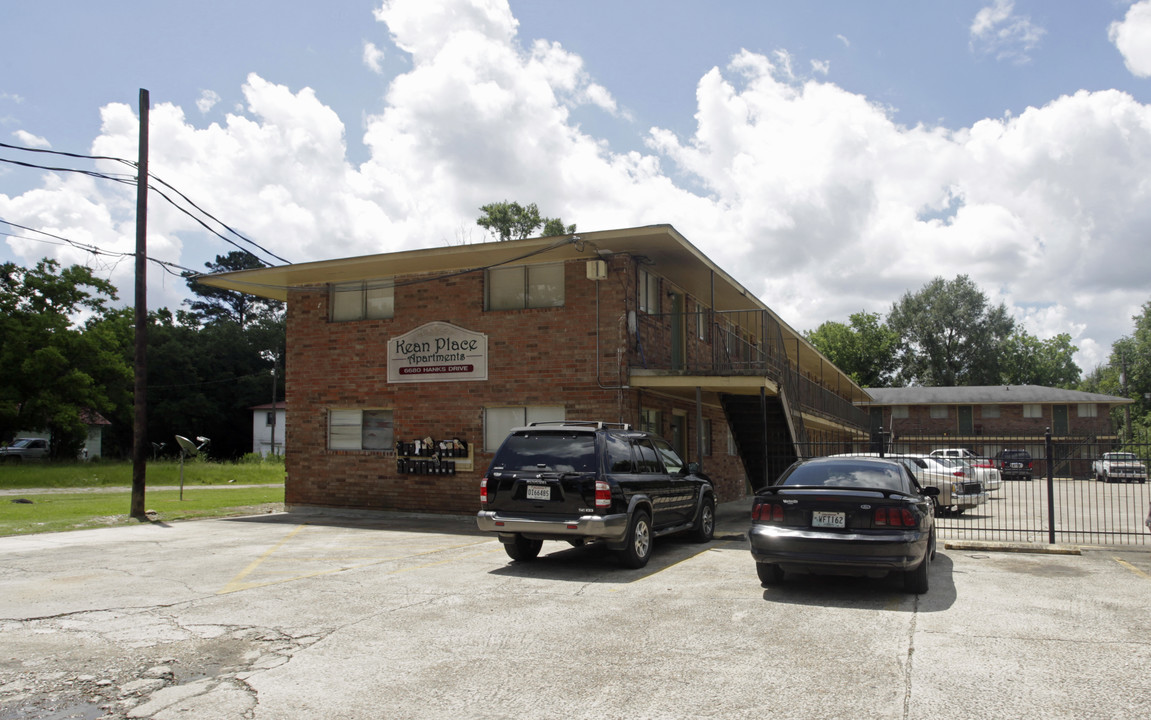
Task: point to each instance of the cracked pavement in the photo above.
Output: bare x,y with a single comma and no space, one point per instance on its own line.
329,616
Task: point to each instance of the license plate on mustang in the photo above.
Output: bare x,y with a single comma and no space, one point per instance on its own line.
539,492
820,518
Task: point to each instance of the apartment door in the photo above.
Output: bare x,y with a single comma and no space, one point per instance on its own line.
966,427
1059,419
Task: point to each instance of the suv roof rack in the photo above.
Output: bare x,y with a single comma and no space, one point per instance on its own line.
598,425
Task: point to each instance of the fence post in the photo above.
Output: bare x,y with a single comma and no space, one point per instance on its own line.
1050,487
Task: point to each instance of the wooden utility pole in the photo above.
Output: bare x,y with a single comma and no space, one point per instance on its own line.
140,426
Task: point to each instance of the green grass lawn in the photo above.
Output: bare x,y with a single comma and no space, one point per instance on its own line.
103,497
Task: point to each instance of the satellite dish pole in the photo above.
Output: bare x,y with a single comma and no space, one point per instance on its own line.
140,423
189,448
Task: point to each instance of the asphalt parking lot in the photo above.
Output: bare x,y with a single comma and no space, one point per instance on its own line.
304,616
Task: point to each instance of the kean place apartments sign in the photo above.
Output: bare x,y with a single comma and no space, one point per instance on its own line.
438,352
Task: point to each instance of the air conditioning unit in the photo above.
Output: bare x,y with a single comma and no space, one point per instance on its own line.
596,270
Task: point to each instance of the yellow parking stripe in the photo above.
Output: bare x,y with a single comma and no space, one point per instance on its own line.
238,582
1132,568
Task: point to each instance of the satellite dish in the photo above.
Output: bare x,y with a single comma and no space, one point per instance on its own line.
187,445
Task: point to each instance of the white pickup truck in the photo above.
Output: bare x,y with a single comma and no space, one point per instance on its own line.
1119,467
24,449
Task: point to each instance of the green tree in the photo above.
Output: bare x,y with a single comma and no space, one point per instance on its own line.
951,335
512,221
1027,360
866,349
213,304
53,369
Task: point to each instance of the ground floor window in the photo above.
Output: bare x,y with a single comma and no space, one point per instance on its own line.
499,421
650,421
360,430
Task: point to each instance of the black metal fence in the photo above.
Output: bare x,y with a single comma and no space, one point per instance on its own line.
1082,491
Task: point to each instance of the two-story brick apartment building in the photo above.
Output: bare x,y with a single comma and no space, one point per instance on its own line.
987,419
406,370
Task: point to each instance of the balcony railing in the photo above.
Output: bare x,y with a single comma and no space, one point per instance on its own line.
739,342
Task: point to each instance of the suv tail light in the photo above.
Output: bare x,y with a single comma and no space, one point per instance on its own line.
766,512
602,495
484,491
894,517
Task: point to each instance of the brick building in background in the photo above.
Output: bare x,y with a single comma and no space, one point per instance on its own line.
987,419
406,370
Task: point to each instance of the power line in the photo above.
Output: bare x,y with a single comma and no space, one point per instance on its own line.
131,179
164,264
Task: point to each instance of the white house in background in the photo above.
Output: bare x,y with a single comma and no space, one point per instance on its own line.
267,418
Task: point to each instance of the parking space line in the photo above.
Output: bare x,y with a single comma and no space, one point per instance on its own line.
237,583
1132,568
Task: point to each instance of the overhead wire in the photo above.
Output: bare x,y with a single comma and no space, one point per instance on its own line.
132,179
163,264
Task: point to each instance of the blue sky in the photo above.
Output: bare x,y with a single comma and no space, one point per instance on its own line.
831,155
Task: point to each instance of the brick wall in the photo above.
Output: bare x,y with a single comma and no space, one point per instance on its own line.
545,356
1009,423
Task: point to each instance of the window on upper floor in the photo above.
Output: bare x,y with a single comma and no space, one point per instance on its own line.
648,292
1088,410
989,411
1032,411
939,411
372,299
899,412
525,286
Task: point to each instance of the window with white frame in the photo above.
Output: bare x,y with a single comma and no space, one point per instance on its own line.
732,450
989,411
899,412
1032,411
939,411
1088,410
525,286
360,430
499,421
702,322
706,437
648,292
370,299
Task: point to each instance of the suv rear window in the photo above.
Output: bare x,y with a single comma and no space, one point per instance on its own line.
559,452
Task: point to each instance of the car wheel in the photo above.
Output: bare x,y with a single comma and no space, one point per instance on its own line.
915,581
704,528
769,574
1106,478
637,548
522,549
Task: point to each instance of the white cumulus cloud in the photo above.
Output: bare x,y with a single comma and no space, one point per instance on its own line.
1132,36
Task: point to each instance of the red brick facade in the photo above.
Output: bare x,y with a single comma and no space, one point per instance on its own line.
567,356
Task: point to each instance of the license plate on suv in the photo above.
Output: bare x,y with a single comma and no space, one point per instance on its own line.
821,518
539,492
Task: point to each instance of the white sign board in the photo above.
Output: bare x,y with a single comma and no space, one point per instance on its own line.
438,352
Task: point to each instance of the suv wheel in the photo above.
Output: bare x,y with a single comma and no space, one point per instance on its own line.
637,549
522,549
704,528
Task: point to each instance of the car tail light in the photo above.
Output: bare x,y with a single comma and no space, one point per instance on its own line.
766,512
894,517
484,491
983,465
602,494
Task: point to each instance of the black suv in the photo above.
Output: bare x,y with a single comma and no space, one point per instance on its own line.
1014,463
592,482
